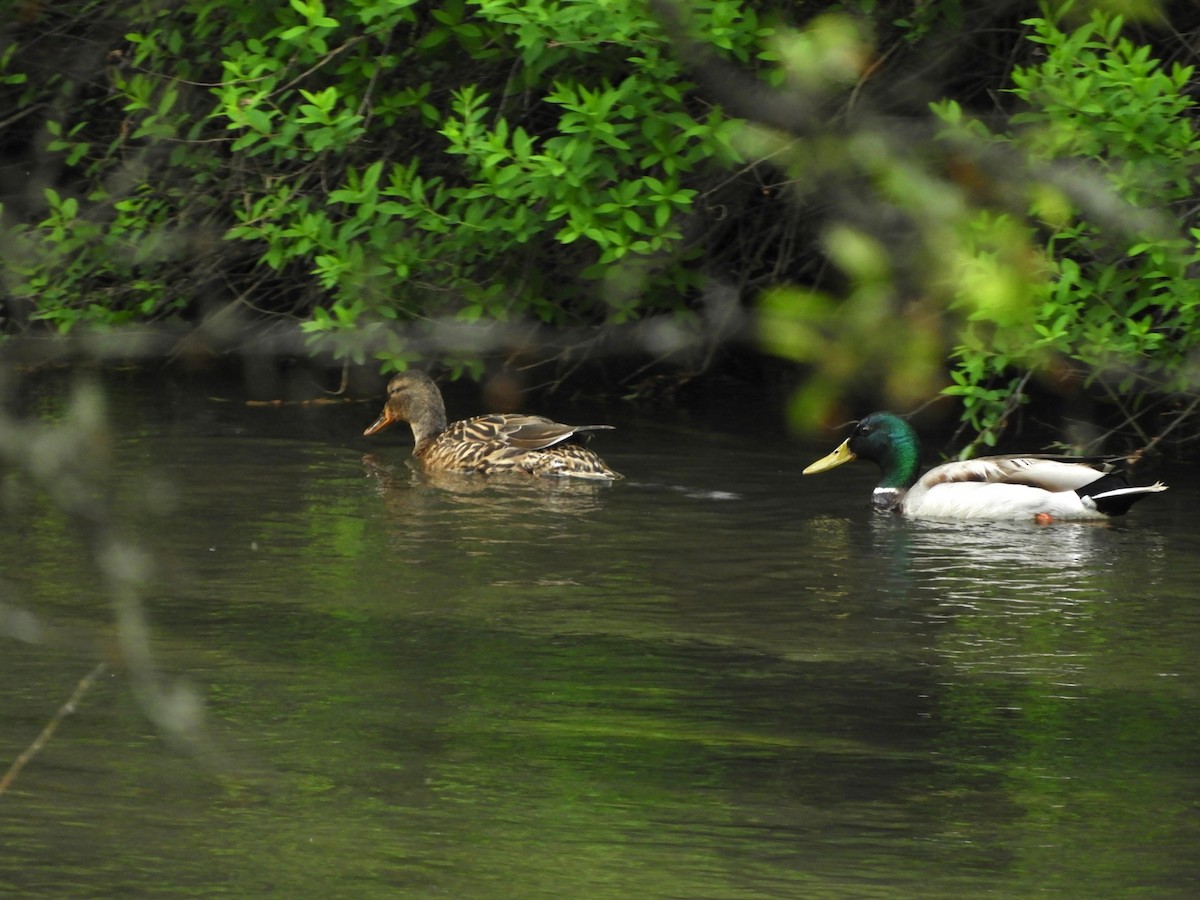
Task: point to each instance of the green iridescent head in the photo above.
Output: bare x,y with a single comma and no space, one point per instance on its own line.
885,439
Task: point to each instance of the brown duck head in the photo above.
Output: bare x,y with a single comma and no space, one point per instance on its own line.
413,397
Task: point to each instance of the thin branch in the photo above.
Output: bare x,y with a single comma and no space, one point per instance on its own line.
1162,434
328,58
40,741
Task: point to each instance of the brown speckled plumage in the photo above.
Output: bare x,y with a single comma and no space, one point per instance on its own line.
489,445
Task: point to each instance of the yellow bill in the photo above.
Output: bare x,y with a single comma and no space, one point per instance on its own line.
838,457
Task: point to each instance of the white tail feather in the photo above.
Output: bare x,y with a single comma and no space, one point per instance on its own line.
1141,489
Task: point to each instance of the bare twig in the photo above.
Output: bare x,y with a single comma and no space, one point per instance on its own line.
65,710
1184,415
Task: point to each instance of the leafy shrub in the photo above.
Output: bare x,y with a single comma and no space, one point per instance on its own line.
381,162
366,174
1110,135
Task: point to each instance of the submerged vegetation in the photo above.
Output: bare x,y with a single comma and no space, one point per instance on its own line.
382,182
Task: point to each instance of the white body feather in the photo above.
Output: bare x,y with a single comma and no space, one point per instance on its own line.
1009,487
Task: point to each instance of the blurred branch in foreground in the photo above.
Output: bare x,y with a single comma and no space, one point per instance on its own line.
71,462
1048,245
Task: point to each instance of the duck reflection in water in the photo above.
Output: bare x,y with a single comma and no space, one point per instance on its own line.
413,494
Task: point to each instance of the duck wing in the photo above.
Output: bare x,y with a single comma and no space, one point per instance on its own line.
520,431
1049,473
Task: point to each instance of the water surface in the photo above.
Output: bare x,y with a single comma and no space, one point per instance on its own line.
712,679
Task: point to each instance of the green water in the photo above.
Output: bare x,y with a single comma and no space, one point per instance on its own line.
713,679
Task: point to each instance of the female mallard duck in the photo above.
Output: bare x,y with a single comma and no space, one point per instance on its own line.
1041,488
489,445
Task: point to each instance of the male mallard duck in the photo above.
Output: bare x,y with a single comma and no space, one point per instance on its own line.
488,445
1041,488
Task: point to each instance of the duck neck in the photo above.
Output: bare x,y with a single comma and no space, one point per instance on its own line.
901,465
428,426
